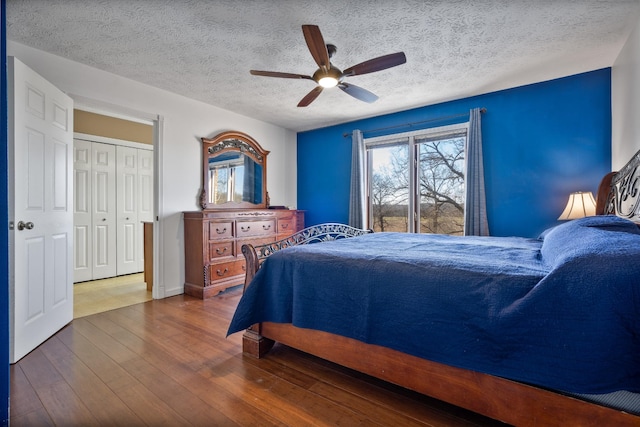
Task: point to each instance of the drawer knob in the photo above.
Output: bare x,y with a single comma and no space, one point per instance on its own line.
220,252
222,273
285,225
245,229
224,230
266,227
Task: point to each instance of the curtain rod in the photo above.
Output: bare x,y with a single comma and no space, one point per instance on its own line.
437,119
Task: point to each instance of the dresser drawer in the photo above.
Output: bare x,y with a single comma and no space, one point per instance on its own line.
255,228
220,230
225,270
223,249
286,225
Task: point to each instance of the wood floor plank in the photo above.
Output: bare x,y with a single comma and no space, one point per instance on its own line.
162,357
64,406
386,397
38,370
97,397
151,410
106,368
156,349
39,417
168,339
102,340
125,386
362,397
282,398
24,399
177,396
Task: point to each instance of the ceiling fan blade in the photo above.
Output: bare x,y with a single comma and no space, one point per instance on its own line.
278,74
316,45
310,97
358,92
376,64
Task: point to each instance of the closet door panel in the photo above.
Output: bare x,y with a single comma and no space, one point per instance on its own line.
104,210
102,247
130,245
127,181
145,185
145,197
82,235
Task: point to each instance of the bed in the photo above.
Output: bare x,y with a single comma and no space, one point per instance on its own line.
539,331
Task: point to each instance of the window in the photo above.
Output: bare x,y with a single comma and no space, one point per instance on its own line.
415,181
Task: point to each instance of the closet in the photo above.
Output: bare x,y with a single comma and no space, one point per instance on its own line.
113,196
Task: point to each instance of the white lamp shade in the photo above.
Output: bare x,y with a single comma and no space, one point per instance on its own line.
580,204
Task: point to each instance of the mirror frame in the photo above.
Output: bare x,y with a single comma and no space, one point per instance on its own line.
244,144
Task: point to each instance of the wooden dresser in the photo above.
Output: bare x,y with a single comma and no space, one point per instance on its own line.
213,242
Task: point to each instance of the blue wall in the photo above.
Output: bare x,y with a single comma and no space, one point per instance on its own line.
540,142
4,233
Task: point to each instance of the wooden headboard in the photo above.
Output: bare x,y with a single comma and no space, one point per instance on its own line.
619,192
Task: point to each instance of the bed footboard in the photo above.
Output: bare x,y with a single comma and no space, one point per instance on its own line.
253,343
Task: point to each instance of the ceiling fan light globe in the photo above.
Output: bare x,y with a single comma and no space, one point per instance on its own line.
328,82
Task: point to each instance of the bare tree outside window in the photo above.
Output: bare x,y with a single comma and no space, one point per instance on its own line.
440,187
389,189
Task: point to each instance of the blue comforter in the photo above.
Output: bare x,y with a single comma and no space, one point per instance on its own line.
561,311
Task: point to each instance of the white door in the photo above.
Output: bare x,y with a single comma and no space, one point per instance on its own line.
145,198
127,206
104,210
40,209
82,212
145,185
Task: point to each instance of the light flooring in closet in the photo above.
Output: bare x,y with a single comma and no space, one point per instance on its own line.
98,296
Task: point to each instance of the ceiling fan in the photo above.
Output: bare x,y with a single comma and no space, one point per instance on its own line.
329,75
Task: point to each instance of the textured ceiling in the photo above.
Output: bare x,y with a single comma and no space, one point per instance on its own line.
204,49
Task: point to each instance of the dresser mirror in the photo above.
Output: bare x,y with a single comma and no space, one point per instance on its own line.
234,172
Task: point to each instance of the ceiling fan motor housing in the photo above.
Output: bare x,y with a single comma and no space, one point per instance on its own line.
331,50
328,78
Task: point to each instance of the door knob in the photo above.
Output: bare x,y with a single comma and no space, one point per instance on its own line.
25,225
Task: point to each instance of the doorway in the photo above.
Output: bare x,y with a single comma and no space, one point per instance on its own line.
111,204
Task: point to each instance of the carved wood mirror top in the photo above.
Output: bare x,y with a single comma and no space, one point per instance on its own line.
234,172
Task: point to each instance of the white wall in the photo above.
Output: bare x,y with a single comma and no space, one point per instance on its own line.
625,101
184,121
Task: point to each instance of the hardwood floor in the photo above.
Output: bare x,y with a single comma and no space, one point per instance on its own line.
107,294
167,362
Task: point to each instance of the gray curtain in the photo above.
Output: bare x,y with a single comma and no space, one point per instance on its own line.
475,215
357,208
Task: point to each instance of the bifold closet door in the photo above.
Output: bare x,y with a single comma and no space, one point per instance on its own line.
82,211
104,210
145,197
113,194
128,236
94,211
